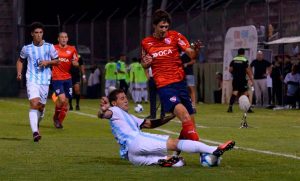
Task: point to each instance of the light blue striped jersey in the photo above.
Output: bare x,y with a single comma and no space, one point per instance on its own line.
125,127
34,54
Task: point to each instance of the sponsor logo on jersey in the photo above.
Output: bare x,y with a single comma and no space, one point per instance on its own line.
173,99
63,59
162,53
68,52
167,40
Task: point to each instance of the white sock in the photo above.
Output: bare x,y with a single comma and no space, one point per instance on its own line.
33,118
195,147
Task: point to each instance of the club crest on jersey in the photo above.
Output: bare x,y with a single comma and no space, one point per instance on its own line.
68,52
162,53
173,99
167,40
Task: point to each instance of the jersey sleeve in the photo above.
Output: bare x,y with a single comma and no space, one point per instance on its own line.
23,54
182,42
75,55
53,52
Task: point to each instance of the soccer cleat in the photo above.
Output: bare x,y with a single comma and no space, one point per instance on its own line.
229,109
36,136
57,124
77,107
250,110
224,147
174,161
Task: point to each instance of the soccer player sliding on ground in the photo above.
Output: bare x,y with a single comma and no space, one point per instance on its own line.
142,148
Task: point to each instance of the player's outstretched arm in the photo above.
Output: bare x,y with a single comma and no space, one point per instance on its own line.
153,123
104,112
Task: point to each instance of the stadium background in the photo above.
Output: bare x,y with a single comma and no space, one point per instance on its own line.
118,27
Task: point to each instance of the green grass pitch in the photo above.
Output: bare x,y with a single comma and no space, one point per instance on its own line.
86,150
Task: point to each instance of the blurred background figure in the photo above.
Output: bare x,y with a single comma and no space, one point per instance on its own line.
218,91
77,73
110,72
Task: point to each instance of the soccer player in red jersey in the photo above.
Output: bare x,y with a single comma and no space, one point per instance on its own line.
61,77
161,51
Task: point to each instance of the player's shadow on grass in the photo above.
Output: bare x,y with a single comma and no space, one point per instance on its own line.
14,139
105,160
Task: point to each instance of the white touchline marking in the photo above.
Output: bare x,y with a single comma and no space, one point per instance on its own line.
175,133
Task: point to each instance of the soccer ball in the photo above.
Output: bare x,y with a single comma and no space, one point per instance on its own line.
111,88
209,160
138,108
244,103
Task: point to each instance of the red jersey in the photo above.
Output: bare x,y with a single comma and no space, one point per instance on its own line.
166,65
66,56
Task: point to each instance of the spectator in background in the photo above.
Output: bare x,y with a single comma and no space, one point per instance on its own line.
262,68
77,73
110,75
189,77
218,91
96,81
277,80
270,85
40,56
90,92
292,82
153,95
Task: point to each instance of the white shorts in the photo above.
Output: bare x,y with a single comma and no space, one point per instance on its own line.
37,91
109,83
147,149
139,85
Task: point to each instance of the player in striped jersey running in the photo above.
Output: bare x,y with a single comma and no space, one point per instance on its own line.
40,56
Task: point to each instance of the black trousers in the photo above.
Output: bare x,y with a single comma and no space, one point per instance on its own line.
153,96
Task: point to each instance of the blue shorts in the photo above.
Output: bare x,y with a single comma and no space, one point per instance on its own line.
63,87
173,94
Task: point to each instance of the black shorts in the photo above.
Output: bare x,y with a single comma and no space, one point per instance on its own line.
75,80
239,85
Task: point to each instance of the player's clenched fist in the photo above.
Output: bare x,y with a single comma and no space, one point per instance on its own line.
147,60
104,105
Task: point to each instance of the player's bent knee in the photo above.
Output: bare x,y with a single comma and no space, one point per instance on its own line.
172,144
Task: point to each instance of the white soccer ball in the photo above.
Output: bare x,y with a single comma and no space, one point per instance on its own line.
138,108
244,103
209,160
111,88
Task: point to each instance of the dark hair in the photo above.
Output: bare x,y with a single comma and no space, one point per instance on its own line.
36,25
241,51
113,95
161,15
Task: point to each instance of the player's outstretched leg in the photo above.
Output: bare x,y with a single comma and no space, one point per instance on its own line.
224,147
